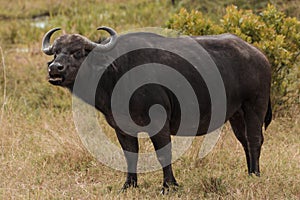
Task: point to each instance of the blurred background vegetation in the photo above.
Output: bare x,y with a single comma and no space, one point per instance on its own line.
41,155
270,30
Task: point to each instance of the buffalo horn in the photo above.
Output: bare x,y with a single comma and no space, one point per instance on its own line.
112,41
46,47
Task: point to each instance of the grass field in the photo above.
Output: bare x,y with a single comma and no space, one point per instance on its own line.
41,155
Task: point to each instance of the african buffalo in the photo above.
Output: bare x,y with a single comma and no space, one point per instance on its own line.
245,72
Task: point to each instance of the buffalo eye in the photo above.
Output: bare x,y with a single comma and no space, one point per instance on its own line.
77,54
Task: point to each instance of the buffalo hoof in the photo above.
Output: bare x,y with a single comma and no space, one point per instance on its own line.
169,187
128,185
255,173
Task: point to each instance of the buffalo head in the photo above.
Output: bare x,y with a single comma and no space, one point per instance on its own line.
69,52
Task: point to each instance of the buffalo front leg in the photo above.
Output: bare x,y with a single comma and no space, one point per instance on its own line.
162,145
130,148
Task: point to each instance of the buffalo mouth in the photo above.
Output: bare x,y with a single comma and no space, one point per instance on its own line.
56,79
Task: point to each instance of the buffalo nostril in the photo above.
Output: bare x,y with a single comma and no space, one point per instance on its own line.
60,68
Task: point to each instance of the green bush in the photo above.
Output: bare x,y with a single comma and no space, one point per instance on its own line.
277,35
193,23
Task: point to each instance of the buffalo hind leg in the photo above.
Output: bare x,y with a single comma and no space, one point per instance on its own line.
130,148
162,145
254,122
238,126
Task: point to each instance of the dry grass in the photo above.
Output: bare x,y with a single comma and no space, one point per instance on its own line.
41,155
43,158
